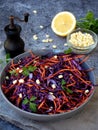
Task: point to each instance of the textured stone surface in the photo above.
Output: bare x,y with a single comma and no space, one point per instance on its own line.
46,9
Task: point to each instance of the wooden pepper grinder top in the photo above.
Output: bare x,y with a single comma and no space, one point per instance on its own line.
14,45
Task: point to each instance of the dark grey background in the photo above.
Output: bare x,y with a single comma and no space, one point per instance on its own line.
46,10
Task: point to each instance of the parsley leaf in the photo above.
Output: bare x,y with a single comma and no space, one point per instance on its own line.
12,72
33,107
33,98
68,51
63,82
67,89
27,70
88,22
25,101
32,68
8,57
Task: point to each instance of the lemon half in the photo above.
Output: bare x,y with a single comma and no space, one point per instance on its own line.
63,23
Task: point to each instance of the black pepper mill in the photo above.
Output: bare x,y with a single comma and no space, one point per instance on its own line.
14,45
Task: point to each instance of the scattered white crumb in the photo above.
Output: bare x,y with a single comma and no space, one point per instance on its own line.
47,36
15,81
20,71
60,76
38,81
17,68
65,44
7,77
55,56
53,86
20,95
50,40
45,40
86,91
50,108
21,80
46,66
41,26
35,37
51,93
54,46
35,11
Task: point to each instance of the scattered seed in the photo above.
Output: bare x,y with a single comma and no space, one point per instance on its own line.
54,46
35,11
41,27
47,36
65,44
35,37
50,40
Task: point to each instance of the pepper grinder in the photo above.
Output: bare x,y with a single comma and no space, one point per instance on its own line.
14,45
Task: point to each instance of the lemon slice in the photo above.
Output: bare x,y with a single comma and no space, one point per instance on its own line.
63,23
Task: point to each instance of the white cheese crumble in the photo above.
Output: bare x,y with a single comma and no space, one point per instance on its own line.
60,76
46,66
21,80
20,95
14,81
86,91
53,86
20,71
17,68
7,77
37,81
55,56
50,93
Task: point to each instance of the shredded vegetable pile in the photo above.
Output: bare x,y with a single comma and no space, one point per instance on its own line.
49,85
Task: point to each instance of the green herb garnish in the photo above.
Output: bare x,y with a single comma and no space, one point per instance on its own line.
32,68
33,98
25,101
68,51
27,70
63,83
30,102
33,107
88,22
8,58
13,72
